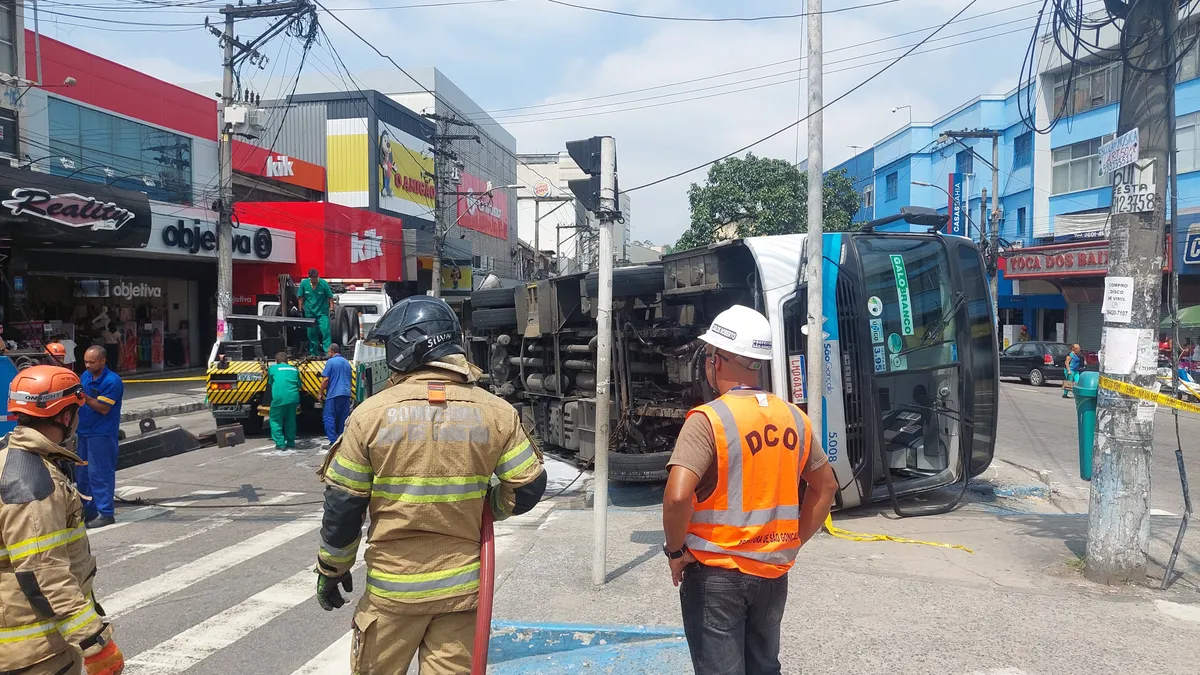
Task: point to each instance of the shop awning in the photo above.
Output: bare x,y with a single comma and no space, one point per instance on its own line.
45,210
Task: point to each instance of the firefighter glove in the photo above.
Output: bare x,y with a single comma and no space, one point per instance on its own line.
101,656
327,590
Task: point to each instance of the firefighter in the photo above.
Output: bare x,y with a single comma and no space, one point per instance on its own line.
734,515
52,624
418,457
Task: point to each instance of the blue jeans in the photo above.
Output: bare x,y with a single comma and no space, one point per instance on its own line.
337,409
731,620
98,478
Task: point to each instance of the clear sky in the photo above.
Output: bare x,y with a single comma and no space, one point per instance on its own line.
553,73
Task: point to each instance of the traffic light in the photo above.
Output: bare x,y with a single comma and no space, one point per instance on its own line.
587,155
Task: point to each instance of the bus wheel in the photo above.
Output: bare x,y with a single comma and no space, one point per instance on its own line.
650,467
1036,378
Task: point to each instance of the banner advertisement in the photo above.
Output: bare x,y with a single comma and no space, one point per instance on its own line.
957,206
456,277
482,211
405,166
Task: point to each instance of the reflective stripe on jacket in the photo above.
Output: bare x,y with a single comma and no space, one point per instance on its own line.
419,458
46,564
751,521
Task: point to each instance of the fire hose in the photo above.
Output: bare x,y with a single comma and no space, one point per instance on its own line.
487,584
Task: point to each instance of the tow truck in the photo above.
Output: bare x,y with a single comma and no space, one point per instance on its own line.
237,369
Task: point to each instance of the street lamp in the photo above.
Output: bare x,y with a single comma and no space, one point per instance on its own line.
902,107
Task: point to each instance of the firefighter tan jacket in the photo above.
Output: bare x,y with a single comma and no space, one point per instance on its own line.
46,563
423,452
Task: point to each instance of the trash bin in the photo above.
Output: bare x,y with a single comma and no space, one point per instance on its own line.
1087,386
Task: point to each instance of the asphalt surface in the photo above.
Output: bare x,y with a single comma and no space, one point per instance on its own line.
1038,432
209,570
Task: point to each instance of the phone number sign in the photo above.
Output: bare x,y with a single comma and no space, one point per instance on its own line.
1134,189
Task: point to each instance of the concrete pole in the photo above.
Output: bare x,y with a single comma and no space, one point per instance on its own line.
994,235
983,219
815,362
225,217
537,238
1119,509
37,43
608,210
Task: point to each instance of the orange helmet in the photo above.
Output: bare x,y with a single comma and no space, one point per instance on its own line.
44,391
57,350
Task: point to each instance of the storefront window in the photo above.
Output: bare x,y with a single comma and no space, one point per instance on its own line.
104,148
8,52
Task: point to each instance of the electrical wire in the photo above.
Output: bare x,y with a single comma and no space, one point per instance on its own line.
720,19
773,134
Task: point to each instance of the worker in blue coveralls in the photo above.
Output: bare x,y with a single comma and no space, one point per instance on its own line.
335,383
99,421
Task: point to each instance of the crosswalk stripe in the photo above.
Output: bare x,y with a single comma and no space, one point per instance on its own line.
197,528
335,660
214,634
127,491
173,581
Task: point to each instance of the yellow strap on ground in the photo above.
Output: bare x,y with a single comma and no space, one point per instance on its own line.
1147,395
864,536
197,378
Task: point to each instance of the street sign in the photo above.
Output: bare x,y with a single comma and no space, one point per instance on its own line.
1191,253
1134,190
1119,152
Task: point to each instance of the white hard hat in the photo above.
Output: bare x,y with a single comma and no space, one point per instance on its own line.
742,331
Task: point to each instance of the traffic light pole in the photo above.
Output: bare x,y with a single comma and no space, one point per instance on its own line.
608,215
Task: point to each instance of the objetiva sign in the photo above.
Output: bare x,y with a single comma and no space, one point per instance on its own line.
902,294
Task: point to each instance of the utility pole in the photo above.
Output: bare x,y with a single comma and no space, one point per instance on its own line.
983,195
445,185
537,230
816,247
235,53
1119,509
608,215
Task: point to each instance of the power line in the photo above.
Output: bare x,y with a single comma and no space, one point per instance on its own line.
493,111
793,74
773,134
714,19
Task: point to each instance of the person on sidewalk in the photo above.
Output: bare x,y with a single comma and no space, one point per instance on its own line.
316,302
417,457
284,380
52,624
335,385
99,422
1073,363
732,511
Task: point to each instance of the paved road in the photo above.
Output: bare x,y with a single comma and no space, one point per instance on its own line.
1037,431
215,577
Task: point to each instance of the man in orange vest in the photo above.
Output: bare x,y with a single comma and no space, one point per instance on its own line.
734,513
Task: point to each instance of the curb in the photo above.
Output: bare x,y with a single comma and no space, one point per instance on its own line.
163,411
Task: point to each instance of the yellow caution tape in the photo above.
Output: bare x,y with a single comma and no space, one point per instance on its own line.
1147,395
864,536
197,378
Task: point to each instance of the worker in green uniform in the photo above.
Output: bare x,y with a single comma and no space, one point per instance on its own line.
316,302
284,379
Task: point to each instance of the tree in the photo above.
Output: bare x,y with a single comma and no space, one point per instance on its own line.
757,196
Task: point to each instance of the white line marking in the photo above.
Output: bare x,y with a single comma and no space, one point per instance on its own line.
127,491
335,660
206,638
1178,611
1160,512
141,594
223,458
206,524
998,671
212,492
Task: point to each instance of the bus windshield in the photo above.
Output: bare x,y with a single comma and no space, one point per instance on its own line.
910,301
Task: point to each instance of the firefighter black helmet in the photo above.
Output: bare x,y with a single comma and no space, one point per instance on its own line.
416,331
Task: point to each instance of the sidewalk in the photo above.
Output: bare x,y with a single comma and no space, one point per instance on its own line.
163,394
1017,604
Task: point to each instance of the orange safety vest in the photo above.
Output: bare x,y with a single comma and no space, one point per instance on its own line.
751,521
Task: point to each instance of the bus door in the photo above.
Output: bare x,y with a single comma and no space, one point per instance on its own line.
912,306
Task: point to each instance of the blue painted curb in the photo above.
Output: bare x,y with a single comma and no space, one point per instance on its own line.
511,640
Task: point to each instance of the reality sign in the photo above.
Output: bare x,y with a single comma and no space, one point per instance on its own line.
1119,152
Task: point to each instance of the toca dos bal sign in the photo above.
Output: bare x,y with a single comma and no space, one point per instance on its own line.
1057,261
